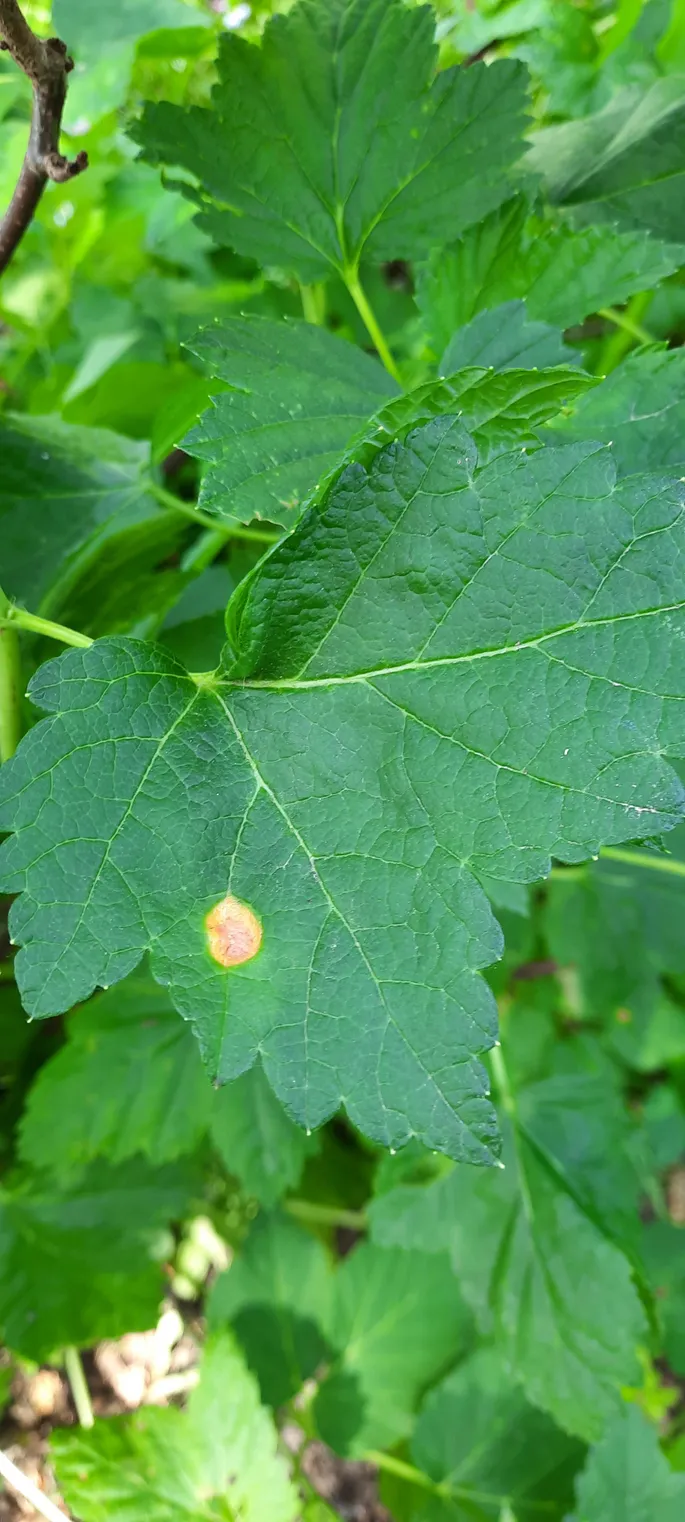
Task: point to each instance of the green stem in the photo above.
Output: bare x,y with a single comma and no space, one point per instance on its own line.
203,551
7,972
501,1078
371,323
653,863
667,864
627,329
624,320
204,520
326,1215
11,684
313,299
79,1387
19,618
443,1488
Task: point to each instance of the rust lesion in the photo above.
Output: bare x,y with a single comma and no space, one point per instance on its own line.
234,933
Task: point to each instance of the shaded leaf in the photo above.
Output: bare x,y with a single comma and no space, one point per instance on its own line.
627,1478
626,163
476,1432
506,339
76,1265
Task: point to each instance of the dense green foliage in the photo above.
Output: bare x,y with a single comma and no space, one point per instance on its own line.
341,437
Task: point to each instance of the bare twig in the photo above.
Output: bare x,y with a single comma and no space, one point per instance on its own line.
47,65
29,1490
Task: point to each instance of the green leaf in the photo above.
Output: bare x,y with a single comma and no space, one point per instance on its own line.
300,151
663,1253
476,1432
76,1266
620,925
130,1081
625,164
73,497
385,1324
627,1478
257,1139
276,1294
432,679
218,1458
556,1291
639,408
564,274
270,439
398,1321
273,439
506,339
89,33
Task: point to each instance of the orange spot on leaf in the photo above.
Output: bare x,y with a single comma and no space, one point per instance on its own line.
234,934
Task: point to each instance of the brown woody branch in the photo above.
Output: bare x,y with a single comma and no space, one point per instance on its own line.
47,65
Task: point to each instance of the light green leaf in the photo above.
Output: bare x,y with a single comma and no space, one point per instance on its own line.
476,1432
556,1291
433,677
640,410
130,1081
301,148
218,1458
506,339
71,496
627,1478
298,395
277,1294
563,273
384,1324
90,31
76,1266
398,1321
625,164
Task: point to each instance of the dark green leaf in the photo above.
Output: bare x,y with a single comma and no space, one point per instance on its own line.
306,133
627,1478
76,1266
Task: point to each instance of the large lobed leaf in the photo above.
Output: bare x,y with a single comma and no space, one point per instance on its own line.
299,153
435,676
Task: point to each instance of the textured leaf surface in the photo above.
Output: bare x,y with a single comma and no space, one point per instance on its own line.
625,164
297,397
433,679
563,273
627,1478
557,1293
398,1320
68,492
218,1458
306,133
75,1266
640,409
279,432
506,339
385,1324
130,1081
477,1432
